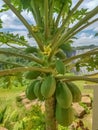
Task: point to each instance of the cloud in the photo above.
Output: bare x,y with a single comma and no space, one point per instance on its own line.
96,28
10,21
13,24
89,4
86,39
1,3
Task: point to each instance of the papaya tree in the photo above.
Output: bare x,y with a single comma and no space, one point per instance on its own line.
49,68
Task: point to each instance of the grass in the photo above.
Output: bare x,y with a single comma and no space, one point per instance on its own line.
8,98
81,84
87,120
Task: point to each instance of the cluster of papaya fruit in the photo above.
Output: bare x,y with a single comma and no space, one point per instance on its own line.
41,88
44,86
65,94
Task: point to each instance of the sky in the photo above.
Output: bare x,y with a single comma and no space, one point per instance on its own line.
85,37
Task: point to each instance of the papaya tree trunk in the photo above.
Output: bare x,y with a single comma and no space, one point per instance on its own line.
51,123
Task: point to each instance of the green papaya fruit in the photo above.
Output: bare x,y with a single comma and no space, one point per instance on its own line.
37,90
32,75
60,66
63,95
76,93
64,117
48,86
30,91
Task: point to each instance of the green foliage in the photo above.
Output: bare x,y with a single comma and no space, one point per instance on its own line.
2,114
11,81
78,15
91,63
10,38
66,5
25,3
4,8
87,109
24,120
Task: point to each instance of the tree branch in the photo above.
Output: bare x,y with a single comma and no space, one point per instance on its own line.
59,16
14,39
91,14
24,69
11,63
93,74
31,58
38,40
51,9
64,24
65,39
75,78
11,46
89,53
46,18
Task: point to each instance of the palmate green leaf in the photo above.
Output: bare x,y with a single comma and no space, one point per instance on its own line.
58,4
11,38
26,4
78,15
17,4
90,63
4,8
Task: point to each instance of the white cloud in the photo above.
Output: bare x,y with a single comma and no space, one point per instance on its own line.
96,29
11,22
92,27
28,16
89,4
1,3
86,39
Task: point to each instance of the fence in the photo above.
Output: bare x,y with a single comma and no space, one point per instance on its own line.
95,104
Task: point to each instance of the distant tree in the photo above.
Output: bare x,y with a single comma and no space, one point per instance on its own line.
96,34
